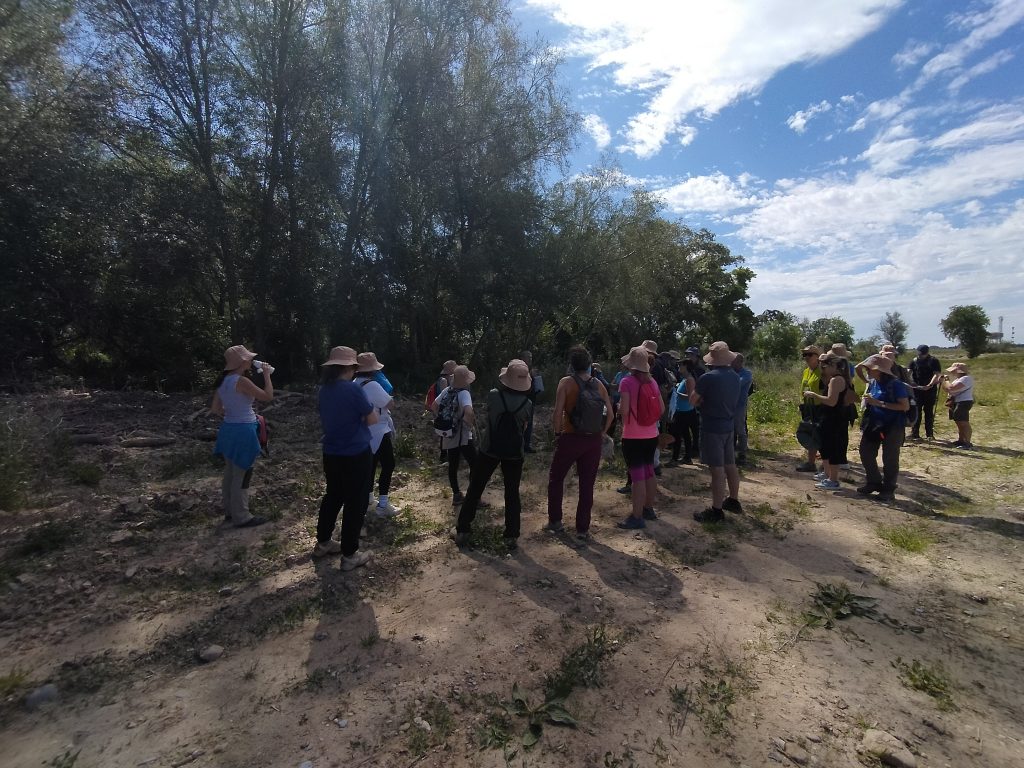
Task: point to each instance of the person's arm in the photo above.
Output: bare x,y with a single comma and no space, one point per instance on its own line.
609,412
695,397
245,386
901,404
468,415
217,407
371,418
835,388
624,398
556,414
954,387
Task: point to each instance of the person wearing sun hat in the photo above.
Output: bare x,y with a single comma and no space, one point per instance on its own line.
237,439
886,403
508,409
961,393
810,380
381,433
346,416
835,421
459,444
639,440
717,393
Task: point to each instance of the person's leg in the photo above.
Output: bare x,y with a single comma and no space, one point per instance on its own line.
454,455
869,444
386,458
561,460
587,463
740,428
331,503
352,472
963,430
511,475
479,474
718,484
891,446
732,477
638,494
650,491
676,430
927,407
691,434
236,499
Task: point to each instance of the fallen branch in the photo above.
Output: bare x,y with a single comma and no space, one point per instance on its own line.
147,442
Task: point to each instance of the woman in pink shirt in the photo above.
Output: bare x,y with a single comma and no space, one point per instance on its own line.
641,407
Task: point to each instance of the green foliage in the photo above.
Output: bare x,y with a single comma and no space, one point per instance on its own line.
834,602
12,682
826,331
967,325
776,340
15,467
551,710
894,330
435,714
583,665
929,679
67,760
909,538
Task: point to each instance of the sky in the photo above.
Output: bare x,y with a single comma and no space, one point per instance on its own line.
863,156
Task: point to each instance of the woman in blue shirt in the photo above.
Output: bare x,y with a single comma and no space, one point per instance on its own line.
886,402
346,416
237,439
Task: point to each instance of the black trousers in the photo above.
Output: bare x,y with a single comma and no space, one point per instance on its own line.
385,459
483,468
454,454
346,493
926,399
685,429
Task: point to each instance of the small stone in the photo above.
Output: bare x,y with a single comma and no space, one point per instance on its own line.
797,754
44,694
120,536
226,591
320,636
342,723
306,764
130,571
403,727
211,653
888,749
780,744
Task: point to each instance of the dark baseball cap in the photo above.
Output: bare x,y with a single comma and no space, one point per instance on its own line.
923,349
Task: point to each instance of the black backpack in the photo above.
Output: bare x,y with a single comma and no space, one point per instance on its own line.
587,417
449,414
506,438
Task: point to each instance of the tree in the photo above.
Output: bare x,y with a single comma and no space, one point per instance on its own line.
969,326
826,331
894,329
776,340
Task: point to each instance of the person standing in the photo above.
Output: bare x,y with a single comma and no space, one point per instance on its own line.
458,401
509,409
810,381
237,439
582,414
346,416
381,434
961,393
885,402
746,387
835,421
925,374
536,389
444,380
641,408
683,420
717,393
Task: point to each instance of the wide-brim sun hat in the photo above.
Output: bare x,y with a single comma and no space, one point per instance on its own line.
462,377
958,368
368,363
637,360
829,358
840,350
341,356
448,368
650,345
810,350
878,363
889,354
516,375
887,347
719,354
674,354
236,356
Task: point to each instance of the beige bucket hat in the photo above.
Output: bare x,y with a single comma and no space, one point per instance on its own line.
719,354
637,359
367,362
462,377
516,375
342,356
236,356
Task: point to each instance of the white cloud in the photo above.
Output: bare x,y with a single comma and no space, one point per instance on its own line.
798,120
912,54
891,150
991,64
999,123
598,130
985,24
733,49
717,194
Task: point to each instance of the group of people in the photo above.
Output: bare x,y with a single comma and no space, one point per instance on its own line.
892,398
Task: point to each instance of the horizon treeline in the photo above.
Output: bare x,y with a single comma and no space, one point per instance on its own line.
295,174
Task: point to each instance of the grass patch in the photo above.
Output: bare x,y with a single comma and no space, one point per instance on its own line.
430,727
405,446
834,602
931,680
370,640
67,760
712,697
583,665
404,529
909,538
695,551
50,536
767,519
12,682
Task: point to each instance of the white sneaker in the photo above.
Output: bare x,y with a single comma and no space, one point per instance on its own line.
819,476
355,561
332,547
387,510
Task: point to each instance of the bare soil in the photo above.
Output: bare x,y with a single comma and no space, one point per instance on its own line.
682,644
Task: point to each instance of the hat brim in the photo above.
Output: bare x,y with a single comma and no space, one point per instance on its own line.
722,358
514,384
371,368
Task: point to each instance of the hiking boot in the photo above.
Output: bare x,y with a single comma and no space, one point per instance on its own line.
827,485
868,488
887,494
649,513
355,560
631,523
966,446
457,499
387,510
625,490
330,547
806,466
252,522
732,505
709,515
555,526
461,538
584,536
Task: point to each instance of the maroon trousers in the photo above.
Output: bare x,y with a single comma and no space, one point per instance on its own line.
585,452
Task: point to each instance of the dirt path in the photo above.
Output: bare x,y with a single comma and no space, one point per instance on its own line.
678,645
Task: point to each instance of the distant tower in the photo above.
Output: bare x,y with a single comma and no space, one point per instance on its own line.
1000,326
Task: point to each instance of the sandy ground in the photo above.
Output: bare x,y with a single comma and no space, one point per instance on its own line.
682,644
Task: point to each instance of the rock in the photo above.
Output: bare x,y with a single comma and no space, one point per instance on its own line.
306,764
320,636
780,744
130,571
119,537
887,748
814,737
403,727
797,754
44,694
226,591
211,653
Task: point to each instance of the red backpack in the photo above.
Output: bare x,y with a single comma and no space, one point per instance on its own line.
428,401
648,404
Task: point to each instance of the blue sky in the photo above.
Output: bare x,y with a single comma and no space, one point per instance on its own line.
863,156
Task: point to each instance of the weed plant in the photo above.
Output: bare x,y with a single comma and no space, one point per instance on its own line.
583,665
929,679
909,538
